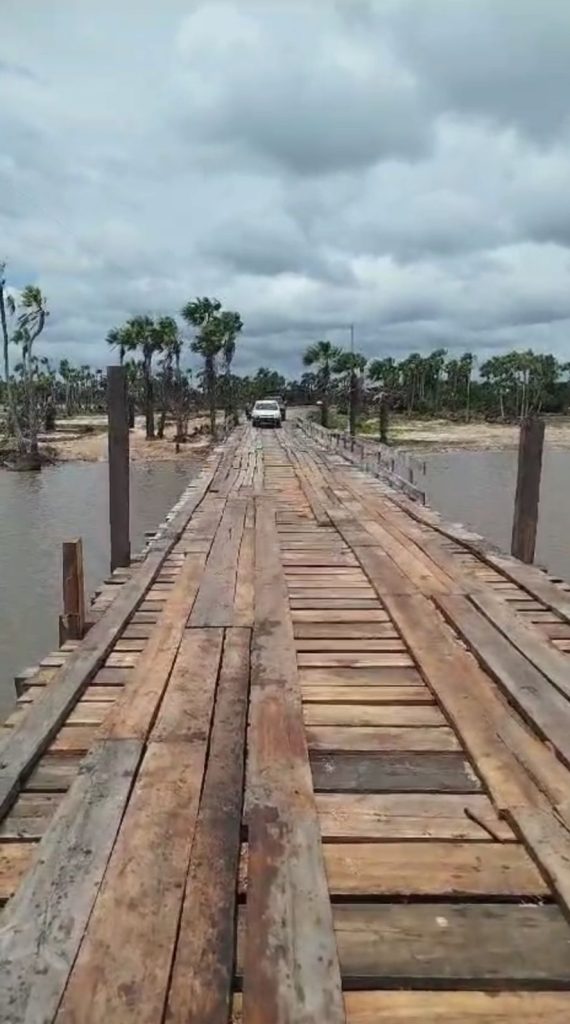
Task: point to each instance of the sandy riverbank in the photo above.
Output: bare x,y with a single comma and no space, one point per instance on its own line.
437,435
73,443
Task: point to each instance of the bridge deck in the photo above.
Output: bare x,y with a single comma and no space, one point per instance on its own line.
310,765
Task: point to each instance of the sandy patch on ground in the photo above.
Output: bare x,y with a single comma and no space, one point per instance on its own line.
428,435
72,444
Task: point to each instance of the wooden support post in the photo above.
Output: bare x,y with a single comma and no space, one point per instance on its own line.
411,474
72,622
527,496
118,466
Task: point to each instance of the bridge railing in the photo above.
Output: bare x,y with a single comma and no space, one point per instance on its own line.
399,468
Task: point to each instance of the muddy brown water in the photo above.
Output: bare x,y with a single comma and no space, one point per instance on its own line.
477,488
40,510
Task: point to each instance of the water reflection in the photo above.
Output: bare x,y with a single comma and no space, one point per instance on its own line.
477,488
40,510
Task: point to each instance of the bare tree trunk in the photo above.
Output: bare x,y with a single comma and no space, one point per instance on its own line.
148,400
13,414
211,391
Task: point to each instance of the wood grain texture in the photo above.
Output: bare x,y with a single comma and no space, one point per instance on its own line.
409,816
201,982
408,772
44,923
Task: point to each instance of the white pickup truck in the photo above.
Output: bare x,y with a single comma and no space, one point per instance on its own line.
266,413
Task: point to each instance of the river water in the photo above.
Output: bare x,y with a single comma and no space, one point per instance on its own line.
40,510
477,488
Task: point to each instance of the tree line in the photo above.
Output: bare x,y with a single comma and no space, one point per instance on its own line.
34,390
508,386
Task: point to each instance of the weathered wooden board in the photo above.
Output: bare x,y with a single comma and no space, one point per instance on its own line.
372,714
15,859
436,869
342,737
381,659
200,987
330,646
377,676
290,953
214,605
354,694
53,772
348,631
43,924
134,711
544,707
392,773
445,1007
409,816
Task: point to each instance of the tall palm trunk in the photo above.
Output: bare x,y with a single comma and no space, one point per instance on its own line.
325,400
148,398
14,424
210,379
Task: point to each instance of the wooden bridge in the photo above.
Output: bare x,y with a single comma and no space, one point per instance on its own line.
310,765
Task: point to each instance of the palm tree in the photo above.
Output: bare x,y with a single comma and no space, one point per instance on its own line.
230,325
31,322
322,355
171,347
116,339
8,308
351,366
204,314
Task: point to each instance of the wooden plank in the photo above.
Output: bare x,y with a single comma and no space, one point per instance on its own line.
493,944
552,665
200,987
382,659
474,944
408,772
43,924
410,816
54,772
214,605
442,869
339,615
290,952
353,694
342,737
372,714
330,646
133,713
186,709
377,676
411,1007
542,705
348,631
15,860
244,602
445,1007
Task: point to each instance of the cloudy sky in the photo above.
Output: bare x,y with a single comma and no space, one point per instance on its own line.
401,164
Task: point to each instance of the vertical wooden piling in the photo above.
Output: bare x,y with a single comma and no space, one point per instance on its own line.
527,496
119,517
72,622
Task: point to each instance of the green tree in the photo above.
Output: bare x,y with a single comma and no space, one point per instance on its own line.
203,314
350,366
32,313
230,326
323,355
8,309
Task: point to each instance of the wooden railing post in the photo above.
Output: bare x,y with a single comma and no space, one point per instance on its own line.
119,517
72,621
525,519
